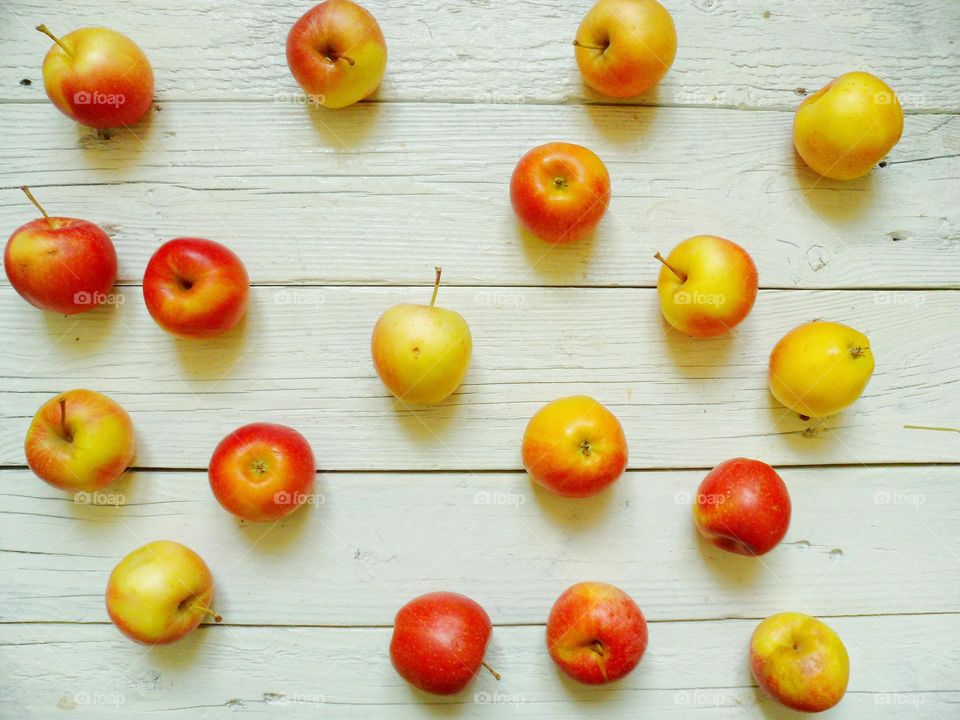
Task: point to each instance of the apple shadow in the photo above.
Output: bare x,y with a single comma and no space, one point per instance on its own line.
773,710
626,122
575,514
838,201
177,655
428,423
590,694
273,537
116,148
732,570
213,358
561,263
691,355
345,128
80,334
804,435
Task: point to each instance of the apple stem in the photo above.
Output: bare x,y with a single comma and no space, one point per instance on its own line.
577,43
63,420
436,285
216,616
671,268
334,58
932,427
43,28
491,671
29,194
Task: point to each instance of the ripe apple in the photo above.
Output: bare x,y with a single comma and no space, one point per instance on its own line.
848,126
195,288
438,642
421,352
337,53
574,447
625,47
707,285
80,440
262,471
97,77
160,592
819,368
559,191
596,633
799,661
60,264
742,506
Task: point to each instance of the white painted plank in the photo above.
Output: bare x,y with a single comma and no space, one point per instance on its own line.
902,667
862,540
378,194
302,358
755,53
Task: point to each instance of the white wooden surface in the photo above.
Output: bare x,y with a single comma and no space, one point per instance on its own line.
338,215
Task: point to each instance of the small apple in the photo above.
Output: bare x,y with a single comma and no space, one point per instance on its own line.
819,368
438,642
596,633
799,661
337,53
60,264
195,288
80,440
97,77
160,592
560,191
707,285
421,352
742,506
848,126
625,47
574,447
262,471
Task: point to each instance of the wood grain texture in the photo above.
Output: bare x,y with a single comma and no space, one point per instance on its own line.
378,194
740,53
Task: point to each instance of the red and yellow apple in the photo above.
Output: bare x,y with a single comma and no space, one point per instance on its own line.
742,506
421,352
799,661
819,368
262,471
625,47
337,53
574,447
159,593
560,191
848,126
596,633
98,77
195,288
80,440
707,285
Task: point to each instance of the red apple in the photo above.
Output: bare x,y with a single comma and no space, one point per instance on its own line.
337,53
560,191
439,640
195,288
97,77
60,264
262,471
742,506
596,633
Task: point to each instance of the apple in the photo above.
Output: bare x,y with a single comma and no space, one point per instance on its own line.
97,77
421,352
625,47
574,447
438,642
160,592
742,506
848,126
596,633
80,440
819,368
195,288
262,471
560,191
799,661
707,285
60,264
337,53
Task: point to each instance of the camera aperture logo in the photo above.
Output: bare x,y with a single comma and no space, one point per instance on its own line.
83,97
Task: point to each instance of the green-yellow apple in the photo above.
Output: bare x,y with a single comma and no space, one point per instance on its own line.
799,661
337,53
848,126
98,77
421,352
160,592
707,285
80,440
625,47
